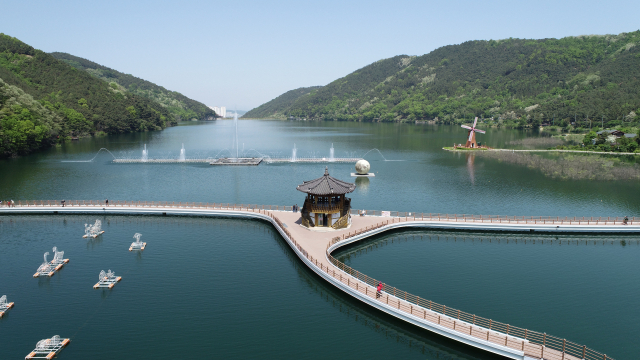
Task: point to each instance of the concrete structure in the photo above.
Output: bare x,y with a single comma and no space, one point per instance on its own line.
314,250
220,110
362,169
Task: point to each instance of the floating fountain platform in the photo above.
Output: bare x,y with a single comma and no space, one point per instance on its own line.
107,280
4,305
236,161
160,161
48,348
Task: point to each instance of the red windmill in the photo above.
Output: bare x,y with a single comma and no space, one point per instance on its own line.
471,142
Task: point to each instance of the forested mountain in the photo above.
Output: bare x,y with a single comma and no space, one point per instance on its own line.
277,107
179,105
525,82
44,101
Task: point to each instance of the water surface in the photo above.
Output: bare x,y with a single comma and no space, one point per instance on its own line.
231,288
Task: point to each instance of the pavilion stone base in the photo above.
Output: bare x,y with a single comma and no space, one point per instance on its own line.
238,161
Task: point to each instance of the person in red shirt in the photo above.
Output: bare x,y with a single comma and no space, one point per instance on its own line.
379,291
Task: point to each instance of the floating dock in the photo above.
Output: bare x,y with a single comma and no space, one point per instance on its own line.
160,161
234,161
239,161
107,280
85,236
49,268
314,160
46,268
48,348
4,305
137,245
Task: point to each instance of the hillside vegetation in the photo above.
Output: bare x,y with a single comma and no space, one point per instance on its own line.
277,107
513,82
180,106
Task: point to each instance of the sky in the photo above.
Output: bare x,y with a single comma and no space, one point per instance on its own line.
240,54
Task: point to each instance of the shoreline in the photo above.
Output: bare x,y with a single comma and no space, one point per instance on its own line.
449,148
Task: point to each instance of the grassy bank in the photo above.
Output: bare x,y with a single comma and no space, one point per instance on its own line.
571,166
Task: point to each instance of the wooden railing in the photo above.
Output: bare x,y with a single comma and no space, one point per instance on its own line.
323,208
395,215
532,343
149,204
556,220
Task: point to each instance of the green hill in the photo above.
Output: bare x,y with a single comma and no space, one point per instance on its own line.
276,108
44,101
514,81
179,105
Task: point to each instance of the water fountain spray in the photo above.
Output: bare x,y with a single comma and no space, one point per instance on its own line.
294,153
235,119
145,154
331,154
182,154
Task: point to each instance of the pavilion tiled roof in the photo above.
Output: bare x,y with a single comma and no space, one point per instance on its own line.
326,185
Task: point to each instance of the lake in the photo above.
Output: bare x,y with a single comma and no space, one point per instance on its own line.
232,288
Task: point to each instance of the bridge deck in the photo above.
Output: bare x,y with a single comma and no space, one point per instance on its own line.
314,248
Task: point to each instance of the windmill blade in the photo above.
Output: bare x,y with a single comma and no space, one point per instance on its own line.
470,135
480,131
466,127
475,122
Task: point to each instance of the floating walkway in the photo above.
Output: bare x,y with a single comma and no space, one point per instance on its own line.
4,305
107,280
313,160
48,348
240,161
314,248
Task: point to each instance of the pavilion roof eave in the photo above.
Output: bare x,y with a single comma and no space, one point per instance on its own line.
326,185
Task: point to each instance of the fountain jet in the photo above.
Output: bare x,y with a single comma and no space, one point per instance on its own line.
182,154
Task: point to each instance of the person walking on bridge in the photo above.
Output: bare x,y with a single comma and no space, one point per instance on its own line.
379,290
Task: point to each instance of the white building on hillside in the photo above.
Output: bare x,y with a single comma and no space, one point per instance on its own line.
220,110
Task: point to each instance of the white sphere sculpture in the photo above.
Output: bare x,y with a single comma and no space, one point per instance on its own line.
363,167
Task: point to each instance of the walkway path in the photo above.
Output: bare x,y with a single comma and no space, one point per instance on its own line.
314,249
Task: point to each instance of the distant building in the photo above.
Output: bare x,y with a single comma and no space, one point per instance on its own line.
616,133
220,110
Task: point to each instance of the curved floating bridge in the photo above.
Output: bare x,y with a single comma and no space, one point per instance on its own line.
314,248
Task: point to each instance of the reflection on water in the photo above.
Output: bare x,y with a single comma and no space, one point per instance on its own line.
470,160
362,184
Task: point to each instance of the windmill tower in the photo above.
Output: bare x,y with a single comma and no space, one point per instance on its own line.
471,141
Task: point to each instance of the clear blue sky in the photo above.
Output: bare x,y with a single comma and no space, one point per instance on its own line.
244,53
